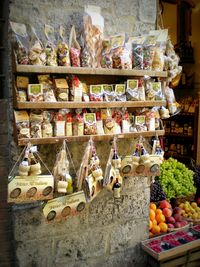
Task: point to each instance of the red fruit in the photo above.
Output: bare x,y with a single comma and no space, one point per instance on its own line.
171,220
183,223
177,217
164,204
177,210
177,225
170,225
167,212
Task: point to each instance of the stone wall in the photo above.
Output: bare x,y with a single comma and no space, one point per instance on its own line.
107,232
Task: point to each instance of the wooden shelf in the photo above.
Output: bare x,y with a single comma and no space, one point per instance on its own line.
54,140
179,135
90,71
58,105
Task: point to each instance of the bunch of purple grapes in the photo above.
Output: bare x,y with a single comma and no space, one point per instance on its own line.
157,193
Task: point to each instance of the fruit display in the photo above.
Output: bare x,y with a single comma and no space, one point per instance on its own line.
157,193
176,179
189,210
172,240
163,218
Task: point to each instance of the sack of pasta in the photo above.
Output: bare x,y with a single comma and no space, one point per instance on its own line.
93,27
117,46
37,55
50,48
74,49
21,42
137,51
62,49
148,51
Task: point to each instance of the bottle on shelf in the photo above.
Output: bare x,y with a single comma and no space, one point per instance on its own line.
117,188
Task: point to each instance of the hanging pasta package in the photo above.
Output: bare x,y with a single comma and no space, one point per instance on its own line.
93,26
173,106
50,48
21,42
37,55
74,49
63,49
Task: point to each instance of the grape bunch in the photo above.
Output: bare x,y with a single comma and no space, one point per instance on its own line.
176,179
157,193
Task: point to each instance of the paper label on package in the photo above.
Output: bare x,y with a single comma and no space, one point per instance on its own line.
120,89
78,94
96,89
90,118
80,129
60,128
61,83
108,88
68,128
156,86
35,89
22,82
21,116
140,120
132,84
63,96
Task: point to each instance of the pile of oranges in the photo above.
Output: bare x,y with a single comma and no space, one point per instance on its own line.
157,220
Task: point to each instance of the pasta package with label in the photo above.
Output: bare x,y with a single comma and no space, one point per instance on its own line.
22,124
35,93
62,89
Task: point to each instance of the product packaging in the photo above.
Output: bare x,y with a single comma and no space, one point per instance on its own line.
59,124
48,87
93,24
137,51
50,47
21,42
22,123
22,87
106,55
117,43
78,124
74,48
62,89
132,92
37,55
35,93
76,89
68,123
120,92
154,91
108,92
62,49
36,119
108,121
47,128
148,51
90,124
96,93
100,129
84,56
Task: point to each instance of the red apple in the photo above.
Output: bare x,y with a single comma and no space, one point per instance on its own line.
167,212
164,204
177,217
183,223
171,220
177,210
177,225
170,225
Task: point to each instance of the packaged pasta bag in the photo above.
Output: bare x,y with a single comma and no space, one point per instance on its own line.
137,51
132,92
47,127
48,87
74,48
93,29
36,119
62,49
154,91
50,47
90,124
173,106
96,93
21,42
84,56
108,92
78,123
37,55
106,55
120,92
117,43
148,51
76,89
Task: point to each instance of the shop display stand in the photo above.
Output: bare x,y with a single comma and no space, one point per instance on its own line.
91,76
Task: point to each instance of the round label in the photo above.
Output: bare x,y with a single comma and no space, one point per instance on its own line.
24,131
63,96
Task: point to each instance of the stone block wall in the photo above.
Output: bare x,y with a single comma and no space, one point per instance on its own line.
107,232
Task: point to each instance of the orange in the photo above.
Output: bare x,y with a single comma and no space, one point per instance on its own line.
151,234
154,222
160,218
163,227
152,206
150,225
155,229
158,211
181,205
152,214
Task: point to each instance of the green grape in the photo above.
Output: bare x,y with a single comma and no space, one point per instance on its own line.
176,179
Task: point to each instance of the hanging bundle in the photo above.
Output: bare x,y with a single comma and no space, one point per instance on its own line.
27,180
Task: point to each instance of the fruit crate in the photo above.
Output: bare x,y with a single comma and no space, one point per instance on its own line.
171,245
